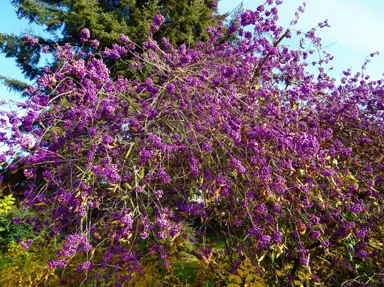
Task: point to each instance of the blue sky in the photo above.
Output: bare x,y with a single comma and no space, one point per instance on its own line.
356,31
9,23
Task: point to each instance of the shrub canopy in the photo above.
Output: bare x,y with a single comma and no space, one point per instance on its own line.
236,141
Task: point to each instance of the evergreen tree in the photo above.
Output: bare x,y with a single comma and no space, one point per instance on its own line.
186,22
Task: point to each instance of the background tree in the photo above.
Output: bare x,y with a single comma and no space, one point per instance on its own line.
185,22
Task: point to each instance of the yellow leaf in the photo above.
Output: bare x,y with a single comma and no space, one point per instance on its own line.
238,280
278,273
298,283
175,236
205,260
129,150
141,173
304,276
249,278
242,266
41,204
240,272
126,185
233,285
300,275
235,278
110,146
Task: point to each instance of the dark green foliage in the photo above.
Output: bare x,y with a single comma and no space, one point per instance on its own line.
27,56
14,84
186,22
12,232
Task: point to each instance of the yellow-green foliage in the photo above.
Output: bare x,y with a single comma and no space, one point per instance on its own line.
7,203
246,275
20,267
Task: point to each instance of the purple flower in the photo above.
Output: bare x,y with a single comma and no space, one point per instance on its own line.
158,19
129,257
166,264
326,244
362,254
95,44
161,235
262,208
124,38
237,222
315,234
58,263
75,243
206,146
31,40
97,276
277,238
238,165
171,88
84,35
108,140
84,266
17,220
232,29
162,222
26,244
164,177
264,241
247,18
304,260
144,235
361,232
127,219
194,166
213,4
356,208
158,194
45,49
112,174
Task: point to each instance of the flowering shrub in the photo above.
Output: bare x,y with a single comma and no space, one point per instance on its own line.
236,141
